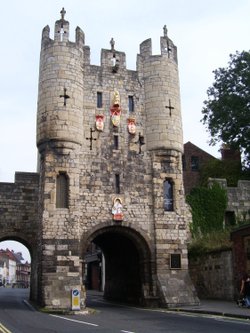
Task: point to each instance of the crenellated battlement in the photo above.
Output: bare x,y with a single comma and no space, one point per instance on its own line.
113,59
61,35
167,48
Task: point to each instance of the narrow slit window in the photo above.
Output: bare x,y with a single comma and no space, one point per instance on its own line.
168,193
116,142
131,105
62,190
99,99
117,183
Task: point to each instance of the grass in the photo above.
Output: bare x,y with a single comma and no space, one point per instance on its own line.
212,242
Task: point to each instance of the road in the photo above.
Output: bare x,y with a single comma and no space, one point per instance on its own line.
17,317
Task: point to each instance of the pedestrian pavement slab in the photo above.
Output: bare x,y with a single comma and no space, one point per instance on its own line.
217,307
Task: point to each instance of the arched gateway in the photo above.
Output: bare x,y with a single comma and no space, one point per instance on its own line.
110,171
129,266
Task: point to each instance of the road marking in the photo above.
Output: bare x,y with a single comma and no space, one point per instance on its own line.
3,329
74,320
127,331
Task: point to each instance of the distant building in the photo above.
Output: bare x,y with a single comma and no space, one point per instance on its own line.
9,259
12,270
193,159
3,271
23,275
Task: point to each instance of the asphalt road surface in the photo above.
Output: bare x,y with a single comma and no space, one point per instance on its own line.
17,317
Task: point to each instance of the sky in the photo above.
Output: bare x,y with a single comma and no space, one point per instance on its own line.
205,33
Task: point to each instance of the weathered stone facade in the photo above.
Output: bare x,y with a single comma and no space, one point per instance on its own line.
145,250
19,216
213,276
218,274
238,198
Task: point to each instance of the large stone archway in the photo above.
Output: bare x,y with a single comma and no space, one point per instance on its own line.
129,264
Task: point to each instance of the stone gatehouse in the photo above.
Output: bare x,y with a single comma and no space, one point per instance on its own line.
109,172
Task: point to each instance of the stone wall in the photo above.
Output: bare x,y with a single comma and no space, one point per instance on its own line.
212,275
18,211
19,216
238,198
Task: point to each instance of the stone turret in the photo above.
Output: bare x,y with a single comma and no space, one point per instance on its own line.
164,141
60,98
162,95
60,134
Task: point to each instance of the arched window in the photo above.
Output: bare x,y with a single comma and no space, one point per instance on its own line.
168,195
62,190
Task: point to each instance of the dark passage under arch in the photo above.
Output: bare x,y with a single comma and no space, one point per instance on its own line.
127,264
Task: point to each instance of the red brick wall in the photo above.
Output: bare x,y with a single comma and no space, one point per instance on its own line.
192,177
239,253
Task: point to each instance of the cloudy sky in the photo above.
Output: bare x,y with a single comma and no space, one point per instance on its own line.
205,33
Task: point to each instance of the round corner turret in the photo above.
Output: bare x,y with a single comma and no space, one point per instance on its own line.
60,94
162,95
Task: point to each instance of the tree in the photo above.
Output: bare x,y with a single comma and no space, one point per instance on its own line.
228,169
227,110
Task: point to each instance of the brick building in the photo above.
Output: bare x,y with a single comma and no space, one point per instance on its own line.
12,270
193,159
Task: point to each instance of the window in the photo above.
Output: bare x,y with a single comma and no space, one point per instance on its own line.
230,218
62,190
168,195
194,163
116,142
131,106
175,261
117,183
99,99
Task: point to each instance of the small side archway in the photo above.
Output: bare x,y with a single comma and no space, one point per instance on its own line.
33,258
129,265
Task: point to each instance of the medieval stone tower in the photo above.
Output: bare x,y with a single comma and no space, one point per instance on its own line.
110,147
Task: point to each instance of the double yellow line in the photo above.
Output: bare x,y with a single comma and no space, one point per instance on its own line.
3,329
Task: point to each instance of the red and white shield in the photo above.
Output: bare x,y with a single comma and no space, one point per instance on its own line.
99,122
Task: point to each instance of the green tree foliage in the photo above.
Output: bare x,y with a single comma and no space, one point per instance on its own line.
230,170
208,207
227,109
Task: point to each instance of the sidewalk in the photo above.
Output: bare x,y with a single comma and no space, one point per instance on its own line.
218,307
213,307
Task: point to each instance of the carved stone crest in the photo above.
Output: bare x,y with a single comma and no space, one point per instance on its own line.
115,110
131,125
99,122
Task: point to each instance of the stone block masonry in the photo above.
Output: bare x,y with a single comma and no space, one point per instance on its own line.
105,182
